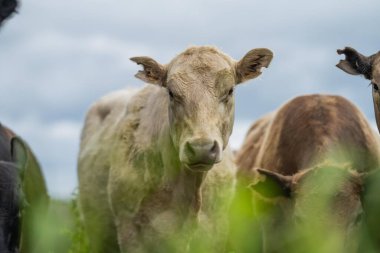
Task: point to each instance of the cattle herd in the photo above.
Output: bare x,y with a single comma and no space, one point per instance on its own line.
156,173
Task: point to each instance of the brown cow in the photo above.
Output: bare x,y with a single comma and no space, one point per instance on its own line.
154,162
314,146
358,64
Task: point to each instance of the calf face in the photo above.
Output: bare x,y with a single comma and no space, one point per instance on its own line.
357,64
200,86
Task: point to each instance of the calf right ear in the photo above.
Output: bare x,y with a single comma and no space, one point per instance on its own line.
272,184
250,66
152,72
355,63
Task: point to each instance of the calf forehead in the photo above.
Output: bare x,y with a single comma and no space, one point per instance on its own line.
200,75
187,82
200,62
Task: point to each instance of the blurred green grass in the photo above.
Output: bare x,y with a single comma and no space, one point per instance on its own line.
61,229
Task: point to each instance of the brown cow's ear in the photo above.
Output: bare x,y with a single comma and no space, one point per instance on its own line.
250,66
152,72
355,63
272,184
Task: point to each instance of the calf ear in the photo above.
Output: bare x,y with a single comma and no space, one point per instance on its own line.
250,66
20,155
272,184
152,72
354,63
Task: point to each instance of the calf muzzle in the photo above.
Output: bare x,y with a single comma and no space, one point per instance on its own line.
201,154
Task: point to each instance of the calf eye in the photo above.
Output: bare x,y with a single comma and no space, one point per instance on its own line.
228,95
174,98
375,87
171,94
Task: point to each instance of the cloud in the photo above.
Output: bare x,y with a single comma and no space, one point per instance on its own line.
239,132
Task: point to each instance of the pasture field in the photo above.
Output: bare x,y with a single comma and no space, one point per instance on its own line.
61,228
63,232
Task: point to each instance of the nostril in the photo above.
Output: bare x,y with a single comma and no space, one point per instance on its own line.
214,149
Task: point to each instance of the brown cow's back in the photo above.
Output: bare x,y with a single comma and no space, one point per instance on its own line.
247,155
305,129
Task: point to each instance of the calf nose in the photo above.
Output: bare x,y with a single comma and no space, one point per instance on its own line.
202,151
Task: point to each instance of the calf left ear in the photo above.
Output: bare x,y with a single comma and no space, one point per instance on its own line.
272,184
19,152
153,72
355,63
250,66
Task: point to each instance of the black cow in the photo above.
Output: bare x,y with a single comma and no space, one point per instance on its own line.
11,173
9,208
22,193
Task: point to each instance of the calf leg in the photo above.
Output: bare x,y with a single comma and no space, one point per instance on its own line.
93,198
126,191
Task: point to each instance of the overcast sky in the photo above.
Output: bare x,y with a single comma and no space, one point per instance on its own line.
57,57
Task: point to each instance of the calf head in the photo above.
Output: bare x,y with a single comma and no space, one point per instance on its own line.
369,66
319,201
200,85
